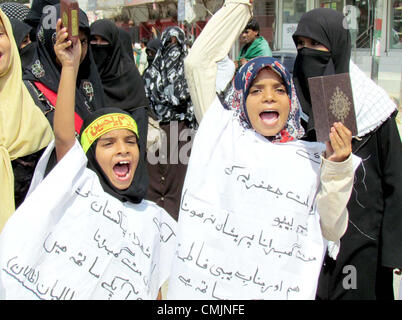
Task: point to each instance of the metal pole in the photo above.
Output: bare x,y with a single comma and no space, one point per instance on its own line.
376,47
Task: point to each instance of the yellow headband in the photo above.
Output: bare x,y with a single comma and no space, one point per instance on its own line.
104,124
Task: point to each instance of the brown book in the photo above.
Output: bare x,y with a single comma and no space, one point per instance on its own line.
332,101
69,17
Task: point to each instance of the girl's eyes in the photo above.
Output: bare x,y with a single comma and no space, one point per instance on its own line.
278,90
255,90
105,144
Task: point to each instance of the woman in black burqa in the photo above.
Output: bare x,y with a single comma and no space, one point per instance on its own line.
171,106
26,47
369,251
122,83
42,75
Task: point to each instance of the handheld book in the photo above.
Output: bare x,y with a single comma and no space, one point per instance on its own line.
69,17
332,101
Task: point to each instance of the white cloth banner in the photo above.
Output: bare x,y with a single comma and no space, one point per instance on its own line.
71,240
247,227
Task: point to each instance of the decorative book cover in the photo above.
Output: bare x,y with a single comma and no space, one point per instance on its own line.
332,101
69,17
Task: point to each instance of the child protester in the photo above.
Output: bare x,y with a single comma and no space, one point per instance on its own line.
87,233
258,204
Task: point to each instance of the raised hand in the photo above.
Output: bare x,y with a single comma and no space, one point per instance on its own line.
153,30
340,145
67,53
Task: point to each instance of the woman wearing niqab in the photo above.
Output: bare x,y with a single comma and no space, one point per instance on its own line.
21,30
42,75
370,243
171,106
122,83
17,13
165,82
152,48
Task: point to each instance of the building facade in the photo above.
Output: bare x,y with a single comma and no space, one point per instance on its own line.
375,26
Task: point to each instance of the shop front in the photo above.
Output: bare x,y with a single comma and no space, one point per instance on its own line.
369,21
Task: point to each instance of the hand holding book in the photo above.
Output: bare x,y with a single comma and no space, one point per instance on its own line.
66,53
69,17
332,101
339,147
334,114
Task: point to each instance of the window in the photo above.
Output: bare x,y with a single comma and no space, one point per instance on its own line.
291,14
360,18
264,13
293,10
396,25
336,5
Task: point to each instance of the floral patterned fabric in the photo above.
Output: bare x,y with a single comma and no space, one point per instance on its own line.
236,97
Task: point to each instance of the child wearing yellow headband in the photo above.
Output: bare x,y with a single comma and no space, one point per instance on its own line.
85,230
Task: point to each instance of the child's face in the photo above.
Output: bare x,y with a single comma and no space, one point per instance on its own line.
268,103
117,154
5,49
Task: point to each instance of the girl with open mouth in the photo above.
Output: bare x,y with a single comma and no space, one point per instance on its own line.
258,205
95,236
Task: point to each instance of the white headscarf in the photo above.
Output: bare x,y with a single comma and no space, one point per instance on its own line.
373,106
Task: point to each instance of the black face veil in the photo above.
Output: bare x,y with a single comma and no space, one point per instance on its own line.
121,80
20,31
